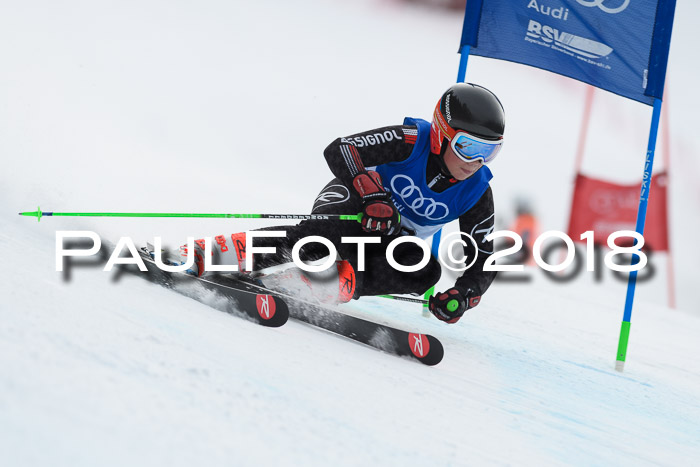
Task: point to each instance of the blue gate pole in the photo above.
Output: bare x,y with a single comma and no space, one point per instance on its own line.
461,73
463,60
641,219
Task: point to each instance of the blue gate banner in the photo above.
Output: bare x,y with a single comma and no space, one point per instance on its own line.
617,45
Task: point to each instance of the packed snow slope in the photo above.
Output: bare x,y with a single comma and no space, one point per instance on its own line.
227,107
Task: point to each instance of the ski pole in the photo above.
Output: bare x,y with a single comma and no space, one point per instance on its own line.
405,299
452,304
343,217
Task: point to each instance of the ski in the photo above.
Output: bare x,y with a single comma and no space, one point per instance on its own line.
424,348
263,307
272,308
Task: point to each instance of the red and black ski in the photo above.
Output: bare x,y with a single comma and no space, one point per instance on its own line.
422,347
263,307
270,308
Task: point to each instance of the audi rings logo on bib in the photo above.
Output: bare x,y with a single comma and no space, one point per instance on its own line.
402,187
604,5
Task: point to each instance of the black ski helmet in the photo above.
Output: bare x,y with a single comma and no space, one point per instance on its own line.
466,107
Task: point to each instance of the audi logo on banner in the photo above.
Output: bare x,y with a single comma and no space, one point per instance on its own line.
602,5
403,187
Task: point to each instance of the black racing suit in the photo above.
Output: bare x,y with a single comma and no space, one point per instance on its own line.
339,197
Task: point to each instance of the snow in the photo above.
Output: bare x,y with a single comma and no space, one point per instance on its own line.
226,107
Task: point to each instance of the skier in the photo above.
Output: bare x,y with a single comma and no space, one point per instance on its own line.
408,179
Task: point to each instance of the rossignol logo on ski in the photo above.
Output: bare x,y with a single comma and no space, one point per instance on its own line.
420,346
346,281
266,306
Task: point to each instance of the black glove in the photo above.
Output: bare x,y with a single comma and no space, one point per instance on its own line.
379,213
450,305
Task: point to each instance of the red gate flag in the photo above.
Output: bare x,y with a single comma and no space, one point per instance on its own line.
605,208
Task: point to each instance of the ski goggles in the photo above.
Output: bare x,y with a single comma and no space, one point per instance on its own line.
469,148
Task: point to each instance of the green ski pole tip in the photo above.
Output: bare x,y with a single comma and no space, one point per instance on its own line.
36,214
